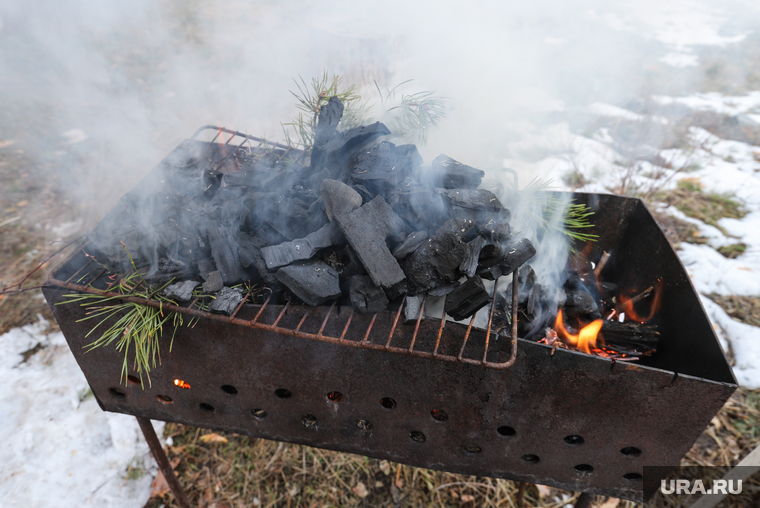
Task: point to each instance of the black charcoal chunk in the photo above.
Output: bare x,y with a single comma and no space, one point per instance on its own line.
419,206
383,166
181,291
580,302
412,309
517,254
367,298
214,282
314,282
410,244
345,144
470,262
366,229
224,252
489,272
226,301
467,299
495,232
327,124
473,199
338,198
205,267
451,174
286,253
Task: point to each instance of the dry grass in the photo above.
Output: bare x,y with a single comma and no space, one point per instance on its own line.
742,308
689,198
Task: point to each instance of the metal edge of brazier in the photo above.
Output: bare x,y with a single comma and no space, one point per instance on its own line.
518,418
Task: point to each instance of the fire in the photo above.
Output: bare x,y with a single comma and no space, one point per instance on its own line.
626,304
580,341
181,384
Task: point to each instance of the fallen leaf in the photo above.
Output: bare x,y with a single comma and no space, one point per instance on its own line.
360,490
610,503
213,438
159,487
466,498
543,491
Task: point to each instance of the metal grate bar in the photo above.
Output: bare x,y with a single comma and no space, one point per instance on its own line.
395,322
417,325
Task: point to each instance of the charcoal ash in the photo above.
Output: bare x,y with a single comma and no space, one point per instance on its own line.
226,301
413,309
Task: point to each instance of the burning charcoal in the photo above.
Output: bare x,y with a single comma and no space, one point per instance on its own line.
338,198
473,199
437,261
418,206
366,229
517,254
327,124
580,303
367,298
214,282
345,144
383,166
470,262
412,308
467,299
630,333
314,282
495,232
301,249
181,291
444,290
226,301
451,174
410,244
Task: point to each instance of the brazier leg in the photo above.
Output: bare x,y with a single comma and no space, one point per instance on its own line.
163,462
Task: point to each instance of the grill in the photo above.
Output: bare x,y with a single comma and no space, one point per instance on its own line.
435,393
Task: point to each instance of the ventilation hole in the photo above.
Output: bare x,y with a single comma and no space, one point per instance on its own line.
574,440
439,415
364,426
584,469
229,389
181,384
206,407
164,399
530,458
133,379
283,393
472,448
259,413
335,396
115,392
388,403
417,436
309,421
631,451
632,476
505,430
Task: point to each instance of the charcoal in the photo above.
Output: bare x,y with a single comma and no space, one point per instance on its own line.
473,199
367,298
437,260
225,257
467,299
444,290
412,309
470,262
206,266
367,229
409,244
181,291
615,332
327,124
517,254
314,282
450,174
214,282
338,197
581,303
345,144
495,232
280,212
364,192
383,166
419,206
307,195
304,248
226,301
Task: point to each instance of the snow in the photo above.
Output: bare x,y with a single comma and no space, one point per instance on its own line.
60,449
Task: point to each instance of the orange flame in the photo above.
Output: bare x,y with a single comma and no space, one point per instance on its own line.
580,341
181,384
626,305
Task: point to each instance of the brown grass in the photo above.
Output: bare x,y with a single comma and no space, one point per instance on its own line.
689,197
742,308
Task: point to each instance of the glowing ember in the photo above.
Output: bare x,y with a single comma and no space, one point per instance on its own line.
580,341
626,304
181,384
